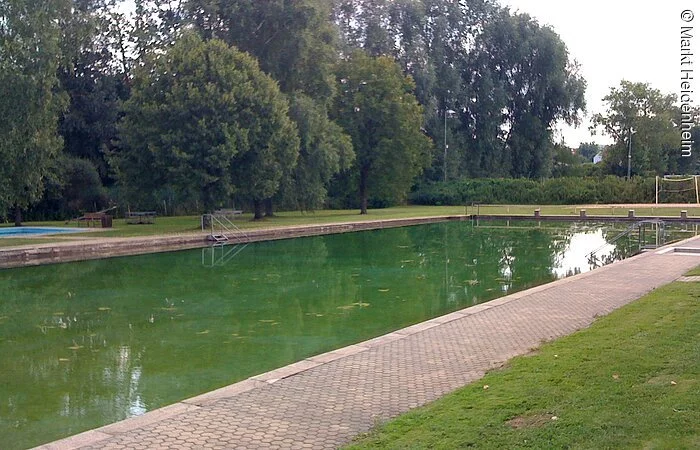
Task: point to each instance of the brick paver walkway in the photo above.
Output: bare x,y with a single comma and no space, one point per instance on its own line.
323,402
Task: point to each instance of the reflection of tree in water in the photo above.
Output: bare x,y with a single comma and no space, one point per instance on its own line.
485,262
624,245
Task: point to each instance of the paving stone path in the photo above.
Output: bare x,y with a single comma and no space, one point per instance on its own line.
325,401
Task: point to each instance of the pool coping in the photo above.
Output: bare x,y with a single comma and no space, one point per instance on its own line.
95,436
99,248
110,247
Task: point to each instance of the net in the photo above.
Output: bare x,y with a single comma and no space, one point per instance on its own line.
677,189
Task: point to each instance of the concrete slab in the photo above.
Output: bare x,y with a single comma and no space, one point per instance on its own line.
224,392
693,279
337,354
284,372
77,441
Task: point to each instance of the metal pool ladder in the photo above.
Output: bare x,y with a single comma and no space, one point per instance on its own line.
217,255
657,225
227,240
222,230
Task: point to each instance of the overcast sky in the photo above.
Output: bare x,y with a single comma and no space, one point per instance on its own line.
638,41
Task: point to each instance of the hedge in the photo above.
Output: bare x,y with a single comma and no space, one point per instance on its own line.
554,191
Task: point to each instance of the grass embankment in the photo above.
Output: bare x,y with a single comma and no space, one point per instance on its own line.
693,273
628,381
191,224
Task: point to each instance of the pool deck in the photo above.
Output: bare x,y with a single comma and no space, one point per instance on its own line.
325,401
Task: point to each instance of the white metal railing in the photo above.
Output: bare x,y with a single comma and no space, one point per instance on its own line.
222,230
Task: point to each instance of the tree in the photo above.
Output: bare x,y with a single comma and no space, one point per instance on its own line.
431,40
95,85
566,163
324,150
204,121
588,150
381,115
30,102
155,26
508,79
294,42
72,188
521,84
649,118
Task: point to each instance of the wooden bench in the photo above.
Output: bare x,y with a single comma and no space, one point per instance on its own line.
94,220
140,217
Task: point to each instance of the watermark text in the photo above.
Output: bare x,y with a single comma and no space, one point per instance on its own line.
687,82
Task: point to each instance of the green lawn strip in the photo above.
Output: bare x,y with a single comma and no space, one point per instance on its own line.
693,272
628,381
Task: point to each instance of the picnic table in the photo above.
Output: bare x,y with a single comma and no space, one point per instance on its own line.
140,217
95,219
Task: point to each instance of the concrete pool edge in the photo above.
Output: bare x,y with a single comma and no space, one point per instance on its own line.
99,248
265,380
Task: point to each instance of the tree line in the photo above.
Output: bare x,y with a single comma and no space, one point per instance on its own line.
201,104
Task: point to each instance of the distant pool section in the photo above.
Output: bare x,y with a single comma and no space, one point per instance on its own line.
34,231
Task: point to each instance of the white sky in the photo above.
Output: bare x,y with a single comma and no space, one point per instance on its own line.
638,41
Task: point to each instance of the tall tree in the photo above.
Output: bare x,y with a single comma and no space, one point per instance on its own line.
522,83
29,102
295,42
204,121
431,40
650,119
379,111
94,81
154,27
324,150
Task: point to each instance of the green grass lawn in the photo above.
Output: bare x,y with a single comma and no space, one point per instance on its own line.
190,224
628,381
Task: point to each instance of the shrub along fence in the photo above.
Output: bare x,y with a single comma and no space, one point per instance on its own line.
554,191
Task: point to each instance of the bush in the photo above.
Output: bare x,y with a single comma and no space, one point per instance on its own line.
554,191
73,188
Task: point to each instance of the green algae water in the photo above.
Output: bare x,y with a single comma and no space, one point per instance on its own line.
90,343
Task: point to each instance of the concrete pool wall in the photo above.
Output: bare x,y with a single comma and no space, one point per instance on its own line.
51,253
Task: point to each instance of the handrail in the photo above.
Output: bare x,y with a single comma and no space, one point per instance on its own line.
226,225
626,233
225,257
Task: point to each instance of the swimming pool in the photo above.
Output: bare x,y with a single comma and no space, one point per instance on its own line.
89,343
34,231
